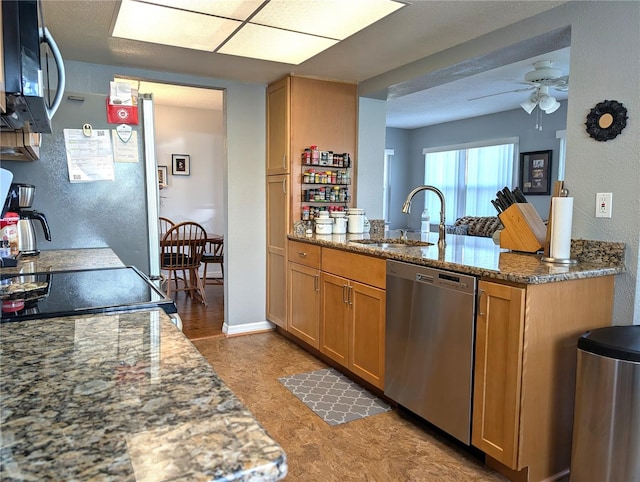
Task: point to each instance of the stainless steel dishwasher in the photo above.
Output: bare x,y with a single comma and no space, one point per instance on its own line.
430,331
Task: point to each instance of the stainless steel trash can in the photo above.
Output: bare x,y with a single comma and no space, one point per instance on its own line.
606,423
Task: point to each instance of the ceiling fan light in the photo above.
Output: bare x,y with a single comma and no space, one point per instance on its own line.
546,102
528,105
552,108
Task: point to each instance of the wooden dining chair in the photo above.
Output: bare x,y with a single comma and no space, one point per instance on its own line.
213,254
165,225
181,250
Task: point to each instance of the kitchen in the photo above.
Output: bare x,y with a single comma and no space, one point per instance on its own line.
593,82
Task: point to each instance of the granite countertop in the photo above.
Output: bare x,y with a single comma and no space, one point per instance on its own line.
122,397
480,256
66,259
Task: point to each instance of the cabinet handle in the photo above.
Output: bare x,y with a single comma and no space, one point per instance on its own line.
284,161
479,297
350,295
316,283
284,186
302,254
345,294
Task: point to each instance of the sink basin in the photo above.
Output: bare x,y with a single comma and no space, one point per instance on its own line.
391,243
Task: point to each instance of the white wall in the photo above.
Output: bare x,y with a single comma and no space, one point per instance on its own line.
605,65
245,252
199,196
370,177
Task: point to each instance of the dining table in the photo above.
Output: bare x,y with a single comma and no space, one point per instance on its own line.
173,241
166,242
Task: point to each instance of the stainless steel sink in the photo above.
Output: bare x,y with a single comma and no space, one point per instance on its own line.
391,243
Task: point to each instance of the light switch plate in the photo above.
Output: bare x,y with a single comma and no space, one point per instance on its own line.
603,204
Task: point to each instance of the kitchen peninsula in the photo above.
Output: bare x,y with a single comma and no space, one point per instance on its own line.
119,396
528,318
479,256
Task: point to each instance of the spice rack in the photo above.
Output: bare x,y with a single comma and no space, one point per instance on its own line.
326,182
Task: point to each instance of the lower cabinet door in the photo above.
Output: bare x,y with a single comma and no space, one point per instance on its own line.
304,303
276,289
334,332
498,372
367,307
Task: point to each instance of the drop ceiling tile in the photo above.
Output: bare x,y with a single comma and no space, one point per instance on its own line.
235,9
162,25
336,19
258,42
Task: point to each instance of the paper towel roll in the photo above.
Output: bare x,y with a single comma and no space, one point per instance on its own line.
562,217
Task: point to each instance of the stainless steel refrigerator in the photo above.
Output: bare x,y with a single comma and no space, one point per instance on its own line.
120,214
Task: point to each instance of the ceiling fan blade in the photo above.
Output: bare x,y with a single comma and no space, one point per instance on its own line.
500,93
561,84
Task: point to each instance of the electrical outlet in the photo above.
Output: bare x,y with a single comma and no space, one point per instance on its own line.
603,204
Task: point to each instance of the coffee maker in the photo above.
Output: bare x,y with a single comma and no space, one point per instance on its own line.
19,200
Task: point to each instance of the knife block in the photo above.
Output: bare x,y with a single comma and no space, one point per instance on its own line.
523,230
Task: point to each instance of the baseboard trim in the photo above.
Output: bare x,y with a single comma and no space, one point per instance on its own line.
247,328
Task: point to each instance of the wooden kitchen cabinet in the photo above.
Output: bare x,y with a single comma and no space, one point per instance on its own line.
352,321
300,112
525,366
498,371
278,195
303,317
335,318
278,158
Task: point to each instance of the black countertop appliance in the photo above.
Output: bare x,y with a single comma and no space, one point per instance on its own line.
71,293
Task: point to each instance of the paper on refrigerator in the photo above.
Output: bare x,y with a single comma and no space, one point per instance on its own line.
89,156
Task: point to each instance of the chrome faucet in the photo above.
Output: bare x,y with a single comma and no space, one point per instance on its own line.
406,208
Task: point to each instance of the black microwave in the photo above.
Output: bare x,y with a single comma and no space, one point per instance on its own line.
23,76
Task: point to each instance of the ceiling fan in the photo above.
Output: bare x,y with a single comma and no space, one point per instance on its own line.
540,79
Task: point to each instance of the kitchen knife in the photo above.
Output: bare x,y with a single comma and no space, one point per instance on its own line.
496,205
502,200
509,195
519,195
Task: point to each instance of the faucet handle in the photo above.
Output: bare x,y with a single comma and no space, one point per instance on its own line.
403,234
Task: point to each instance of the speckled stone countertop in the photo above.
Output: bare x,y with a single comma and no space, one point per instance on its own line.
481,257
66,259
122,397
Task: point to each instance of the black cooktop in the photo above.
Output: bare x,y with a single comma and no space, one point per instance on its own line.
70,293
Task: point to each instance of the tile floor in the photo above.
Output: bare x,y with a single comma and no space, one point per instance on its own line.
388,447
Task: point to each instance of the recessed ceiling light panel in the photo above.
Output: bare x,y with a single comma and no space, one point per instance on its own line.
258,42
235,9
162,25
336,19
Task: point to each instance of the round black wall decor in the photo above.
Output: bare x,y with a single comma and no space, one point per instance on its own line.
606,120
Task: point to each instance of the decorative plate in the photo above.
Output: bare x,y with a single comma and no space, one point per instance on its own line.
606,120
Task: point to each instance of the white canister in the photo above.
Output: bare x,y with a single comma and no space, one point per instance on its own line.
340,225
324,226
339,222
355,221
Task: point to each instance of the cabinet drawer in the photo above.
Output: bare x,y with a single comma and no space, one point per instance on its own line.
358,267
304,253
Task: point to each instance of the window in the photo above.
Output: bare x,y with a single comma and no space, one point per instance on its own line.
469,177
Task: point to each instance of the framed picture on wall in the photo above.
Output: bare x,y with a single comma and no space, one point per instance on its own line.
163,180
535,172
180,164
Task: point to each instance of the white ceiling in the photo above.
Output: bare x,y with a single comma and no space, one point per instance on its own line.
82,28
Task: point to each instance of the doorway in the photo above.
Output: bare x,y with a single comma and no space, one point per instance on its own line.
189,128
